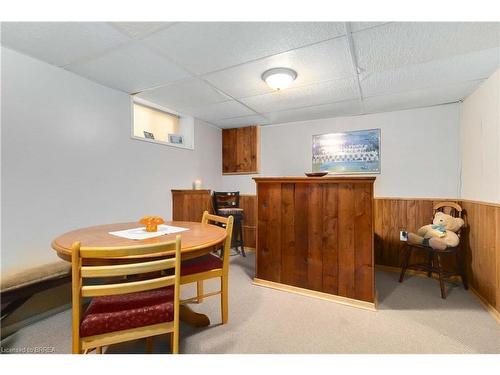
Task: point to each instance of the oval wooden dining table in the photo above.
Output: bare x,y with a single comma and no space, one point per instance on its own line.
198,240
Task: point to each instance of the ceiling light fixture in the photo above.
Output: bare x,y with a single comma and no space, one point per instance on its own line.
279,78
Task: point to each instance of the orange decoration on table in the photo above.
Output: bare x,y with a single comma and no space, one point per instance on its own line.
151,222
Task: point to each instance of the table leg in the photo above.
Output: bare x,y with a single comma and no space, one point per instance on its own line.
193,318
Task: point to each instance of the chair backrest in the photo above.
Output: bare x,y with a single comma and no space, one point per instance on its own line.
449,208
81,273
227,222
225,199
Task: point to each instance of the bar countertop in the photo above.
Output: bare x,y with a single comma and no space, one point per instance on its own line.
324,179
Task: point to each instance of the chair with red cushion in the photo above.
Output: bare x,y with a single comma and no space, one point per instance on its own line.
210,266
125,310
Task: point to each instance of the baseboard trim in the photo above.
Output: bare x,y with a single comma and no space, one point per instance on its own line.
249,249
493,312
315,294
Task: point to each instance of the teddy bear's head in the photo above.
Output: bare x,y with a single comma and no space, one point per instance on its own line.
448,222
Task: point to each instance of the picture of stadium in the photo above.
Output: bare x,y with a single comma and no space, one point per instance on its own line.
346,153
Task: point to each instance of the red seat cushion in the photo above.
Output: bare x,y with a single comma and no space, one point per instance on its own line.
126,311
201,264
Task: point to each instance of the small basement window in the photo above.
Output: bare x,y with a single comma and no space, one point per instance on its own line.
155,124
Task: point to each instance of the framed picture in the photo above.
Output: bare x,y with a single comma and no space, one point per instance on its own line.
347,153
148,135
176,139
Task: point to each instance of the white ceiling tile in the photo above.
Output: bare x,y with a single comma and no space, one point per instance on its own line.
406,43
238,122
420,98
61,43
358,26
208,46
344,108
139,29
320,62
469,67
315,94
184,96
218,111
130,68
406,65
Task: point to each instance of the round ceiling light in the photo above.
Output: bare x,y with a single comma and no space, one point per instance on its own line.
279,78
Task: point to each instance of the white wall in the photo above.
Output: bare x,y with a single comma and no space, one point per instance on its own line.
419,151
480,141
68,160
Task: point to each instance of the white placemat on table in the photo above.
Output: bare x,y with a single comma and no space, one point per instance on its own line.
141,234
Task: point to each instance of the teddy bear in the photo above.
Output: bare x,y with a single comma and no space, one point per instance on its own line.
439,235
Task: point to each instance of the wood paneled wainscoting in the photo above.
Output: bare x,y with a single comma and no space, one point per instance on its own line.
481,238
189,205
482,252
393,215
249,205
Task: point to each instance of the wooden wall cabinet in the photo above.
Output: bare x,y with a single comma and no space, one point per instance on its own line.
240,150
189,205
317,234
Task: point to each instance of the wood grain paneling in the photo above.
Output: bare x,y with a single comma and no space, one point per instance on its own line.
482,249
240,150
189,205
363,214
229,156
346,265
290,269
393,215
249,205
314,230
317,235
480,239
330,235
268,259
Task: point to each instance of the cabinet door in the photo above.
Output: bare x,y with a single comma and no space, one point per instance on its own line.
240,150
247,148
229,151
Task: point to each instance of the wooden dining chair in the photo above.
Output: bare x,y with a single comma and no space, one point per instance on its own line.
210,266
434,256
123,310
227,203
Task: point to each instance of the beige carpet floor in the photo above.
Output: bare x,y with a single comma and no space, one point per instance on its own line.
412,318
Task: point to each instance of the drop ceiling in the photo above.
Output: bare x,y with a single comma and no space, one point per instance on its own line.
212,70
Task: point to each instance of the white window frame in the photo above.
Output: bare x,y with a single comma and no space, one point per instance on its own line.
136,100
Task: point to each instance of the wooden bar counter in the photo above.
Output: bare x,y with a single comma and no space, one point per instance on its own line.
315,237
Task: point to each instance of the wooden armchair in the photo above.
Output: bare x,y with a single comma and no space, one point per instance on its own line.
125,310
434,257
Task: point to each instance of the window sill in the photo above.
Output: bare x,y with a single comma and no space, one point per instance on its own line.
161,143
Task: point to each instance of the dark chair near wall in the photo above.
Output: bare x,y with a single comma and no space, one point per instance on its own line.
434,257
227,203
